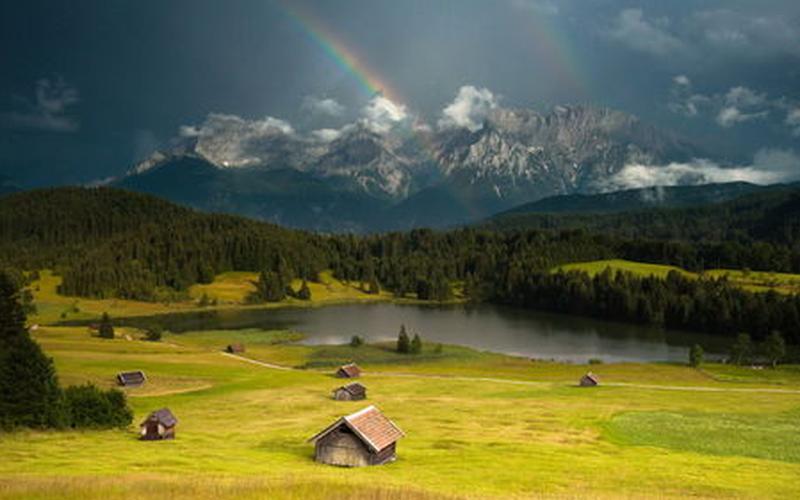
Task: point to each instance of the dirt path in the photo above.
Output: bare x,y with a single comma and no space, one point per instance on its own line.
259,363
689,388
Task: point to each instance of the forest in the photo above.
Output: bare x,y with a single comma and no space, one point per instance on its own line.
111,243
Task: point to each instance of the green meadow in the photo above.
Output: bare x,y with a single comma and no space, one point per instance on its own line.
478,425
757,281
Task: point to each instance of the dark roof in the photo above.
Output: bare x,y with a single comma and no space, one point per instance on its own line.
163,417
131,378
370,425
351,370
355,389
591,376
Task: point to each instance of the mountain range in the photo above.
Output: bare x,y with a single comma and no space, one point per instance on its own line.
362,179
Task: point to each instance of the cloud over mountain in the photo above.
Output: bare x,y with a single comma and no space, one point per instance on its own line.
48,111
469,109
769,166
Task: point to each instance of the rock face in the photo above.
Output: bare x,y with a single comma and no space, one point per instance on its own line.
365,180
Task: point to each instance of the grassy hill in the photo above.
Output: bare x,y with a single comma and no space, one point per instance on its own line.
756,281
477,424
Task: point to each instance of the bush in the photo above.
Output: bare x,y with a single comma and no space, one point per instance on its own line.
304,293
90,407
595,361
356,341
696,356
153,334
106,329
416,345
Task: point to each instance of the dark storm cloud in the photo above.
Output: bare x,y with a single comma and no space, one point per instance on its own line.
146,68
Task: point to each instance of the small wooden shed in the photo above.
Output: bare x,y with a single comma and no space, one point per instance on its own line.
159,425
350,392
364,438
235,348
131,379
349,371
589,380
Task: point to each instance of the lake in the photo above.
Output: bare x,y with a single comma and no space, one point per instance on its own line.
485,327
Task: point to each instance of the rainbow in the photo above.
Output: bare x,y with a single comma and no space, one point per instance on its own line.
338,51
551,46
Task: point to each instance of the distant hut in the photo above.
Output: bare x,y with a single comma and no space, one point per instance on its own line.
349,371
235,348
159,425
366,437
589,380
350,392
131,379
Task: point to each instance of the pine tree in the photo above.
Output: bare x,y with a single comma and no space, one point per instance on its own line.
775,348
696,355
106,329
416,345
740,350
304,293
403,343
29,392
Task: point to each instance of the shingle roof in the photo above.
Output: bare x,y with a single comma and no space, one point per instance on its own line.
351,370
131,378
371,426
162,416
355,388
591,376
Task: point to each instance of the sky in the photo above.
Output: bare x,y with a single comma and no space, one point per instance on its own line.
89,88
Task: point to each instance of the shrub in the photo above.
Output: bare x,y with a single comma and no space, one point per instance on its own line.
696,355
595,361
416,345
356,341
153,334
106,329
90,407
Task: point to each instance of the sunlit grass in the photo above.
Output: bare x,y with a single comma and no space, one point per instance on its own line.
749,280
477,424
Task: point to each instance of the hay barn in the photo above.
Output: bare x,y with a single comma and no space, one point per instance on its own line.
159,425
349,371
589,380
131,379
350,392
364,438
235,348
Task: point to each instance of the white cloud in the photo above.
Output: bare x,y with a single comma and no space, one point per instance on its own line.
731,115
650,36
230,140
548,7
48,111
322,106
469,109
747,33
326,134
769,166
381,114
682,80
793,121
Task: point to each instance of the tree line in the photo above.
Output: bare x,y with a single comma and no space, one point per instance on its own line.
110,243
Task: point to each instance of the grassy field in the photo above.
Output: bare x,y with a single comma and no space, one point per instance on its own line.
477,425
756,281
230,290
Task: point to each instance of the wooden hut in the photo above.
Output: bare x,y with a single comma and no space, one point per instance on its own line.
349,371
589,380
159,425
350,392
366,437
131,379
235,348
